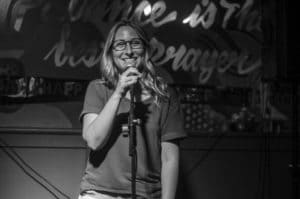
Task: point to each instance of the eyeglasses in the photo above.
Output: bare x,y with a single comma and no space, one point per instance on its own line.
120,45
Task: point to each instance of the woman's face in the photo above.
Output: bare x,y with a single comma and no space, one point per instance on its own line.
128,49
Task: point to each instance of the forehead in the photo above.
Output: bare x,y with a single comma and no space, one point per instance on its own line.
125,32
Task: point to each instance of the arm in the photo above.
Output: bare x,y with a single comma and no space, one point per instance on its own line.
96,127
172,132
170,167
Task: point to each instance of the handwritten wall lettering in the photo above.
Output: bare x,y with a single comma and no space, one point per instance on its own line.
113,10
204,62
13,12
158,9
60,58
248,18
231,7
189,60
203,15
242,17
206,19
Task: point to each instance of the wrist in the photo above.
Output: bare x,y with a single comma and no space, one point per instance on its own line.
116,96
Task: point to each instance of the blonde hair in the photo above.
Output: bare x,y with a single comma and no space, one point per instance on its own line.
150,80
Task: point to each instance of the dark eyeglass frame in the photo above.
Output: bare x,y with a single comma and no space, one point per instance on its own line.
120,45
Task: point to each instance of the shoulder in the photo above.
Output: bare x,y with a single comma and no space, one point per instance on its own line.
172,91
98,85
98,88
172,101
173,94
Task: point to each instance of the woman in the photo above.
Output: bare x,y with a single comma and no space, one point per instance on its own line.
126,64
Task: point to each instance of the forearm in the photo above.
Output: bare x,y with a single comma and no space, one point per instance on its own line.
169,173
97,132
169,177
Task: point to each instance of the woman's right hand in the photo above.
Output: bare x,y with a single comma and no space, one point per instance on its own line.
129,77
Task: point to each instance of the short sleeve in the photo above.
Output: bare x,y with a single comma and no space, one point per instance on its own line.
172,126
94,99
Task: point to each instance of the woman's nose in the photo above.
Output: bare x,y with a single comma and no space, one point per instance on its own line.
128,49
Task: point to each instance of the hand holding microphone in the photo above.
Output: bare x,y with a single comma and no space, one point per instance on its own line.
127,79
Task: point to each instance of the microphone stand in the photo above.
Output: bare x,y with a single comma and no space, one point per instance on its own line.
132,142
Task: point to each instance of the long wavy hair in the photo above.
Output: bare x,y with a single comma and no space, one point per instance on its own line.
149,80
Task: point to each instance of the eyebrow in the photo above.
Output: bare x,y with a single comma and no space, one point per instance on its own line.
128,40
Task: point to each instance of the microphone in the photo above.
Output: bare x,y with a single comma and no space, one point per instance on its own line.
132,87
131,91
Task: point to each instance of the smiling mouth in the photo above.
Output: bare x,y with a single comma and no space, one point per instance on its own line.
130,62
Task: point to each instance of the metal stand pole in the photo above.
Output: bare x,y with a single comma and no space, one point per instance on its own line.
132,143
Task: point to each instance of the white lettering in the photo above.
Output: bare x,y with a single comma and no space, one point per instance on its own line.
193,60
231,7
206,19
158,9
